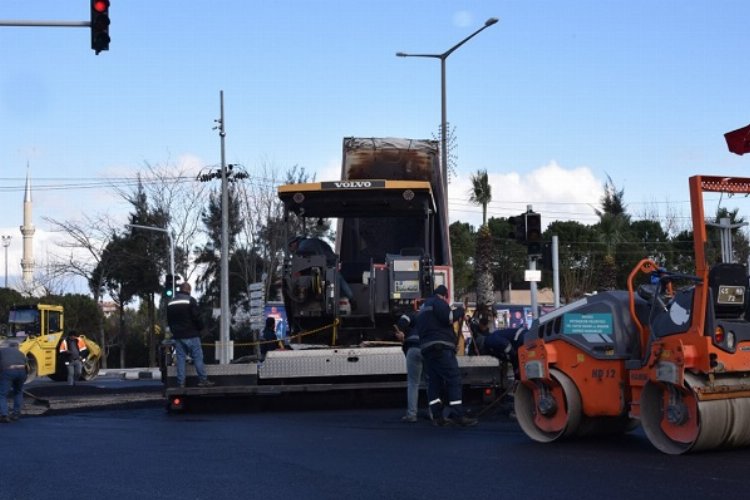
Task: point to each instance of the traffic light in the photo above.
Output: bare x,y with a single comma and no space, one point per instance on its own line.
518,231
100,25
169,284
534,233
533,226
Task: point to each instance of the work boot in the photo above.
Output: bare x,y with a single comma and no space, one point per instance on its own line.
206,383
442,422
15,417
409,419
465,421
4,419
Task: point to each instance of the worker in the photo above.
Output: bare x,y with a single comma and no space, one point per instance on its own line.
407,333
270,342
186,325
307,247
12,377
502,343
437,341
73,352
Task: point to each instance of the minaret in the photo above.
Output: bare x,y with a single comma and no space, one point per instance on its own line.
27,230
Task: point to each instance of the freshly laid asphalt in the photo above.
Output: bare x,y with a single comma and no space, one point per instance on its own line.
112,388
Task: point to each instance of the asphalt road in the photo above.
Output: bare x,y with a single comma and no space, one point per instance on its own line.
335,449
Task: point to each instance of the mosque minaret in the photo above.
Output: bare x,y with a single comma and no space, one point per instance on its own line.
27,230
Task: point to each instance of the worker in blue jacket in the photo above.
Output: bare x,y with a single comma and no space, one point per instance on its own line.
407,333
437,341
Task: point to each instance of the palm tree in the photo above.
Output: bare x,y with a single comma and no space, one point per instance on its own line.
481,194
613,225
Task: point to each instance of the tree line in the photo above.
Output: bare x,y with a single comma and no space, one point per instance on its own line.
593,257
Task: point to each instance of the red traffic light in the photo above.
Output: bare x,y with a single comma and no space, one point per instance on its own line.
100,5
100,25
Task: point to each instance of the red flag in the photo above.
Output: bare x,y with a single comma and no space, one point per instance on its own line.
738,140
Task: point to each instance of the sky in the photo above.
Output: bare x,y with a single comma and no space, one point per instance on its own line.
553,100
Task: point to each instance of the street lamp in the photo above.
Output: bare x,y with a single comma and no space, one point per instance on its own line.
6,244
171,245
444,118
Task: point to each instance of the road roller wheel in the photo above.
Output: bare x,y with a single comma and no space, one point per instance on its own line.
670,417
32,369
90,369
548,411
676,422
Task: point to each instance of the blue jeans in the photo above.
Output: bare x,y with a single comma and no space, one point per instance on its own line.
191,346
413,379
12,381
74,371
443,373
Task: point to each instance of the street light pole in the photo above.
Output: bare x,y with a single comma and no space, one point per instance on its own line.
171,246
6,244
443,106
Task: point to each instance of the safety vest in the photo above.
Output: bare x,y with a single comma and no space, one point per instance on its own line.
81,345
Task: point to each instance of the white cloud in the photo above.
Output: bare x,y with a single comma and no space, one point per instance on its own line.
330,171
555,192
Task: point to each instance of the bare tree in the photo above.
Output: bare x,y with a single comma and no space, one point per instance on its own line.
85,242
177,192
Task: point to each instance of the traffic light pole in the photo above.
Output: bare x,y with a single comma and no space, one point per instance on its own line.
99,24
533,290
48,24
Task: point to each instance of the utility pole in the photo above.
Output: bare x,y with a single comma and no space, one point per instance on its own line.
224,350
227,174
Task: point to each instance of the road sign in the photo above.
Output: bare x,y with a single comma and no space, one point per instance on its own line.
253,287
533,275
257,294
257,324
256,311
257,303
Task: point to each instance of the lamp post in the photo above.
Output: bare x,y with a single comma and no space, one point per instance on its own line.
171,245
6,244
444,117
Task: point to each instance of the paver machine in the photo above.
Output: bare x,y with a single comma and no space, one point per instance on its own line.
671,352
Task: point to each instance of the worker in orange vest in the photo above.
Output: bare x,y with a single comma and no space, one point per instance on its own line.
73,353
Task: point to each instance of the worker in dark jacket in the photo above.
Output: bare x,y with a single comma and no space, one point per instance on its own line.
504,345
12,377
186,324
437,341
407,333
270,341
